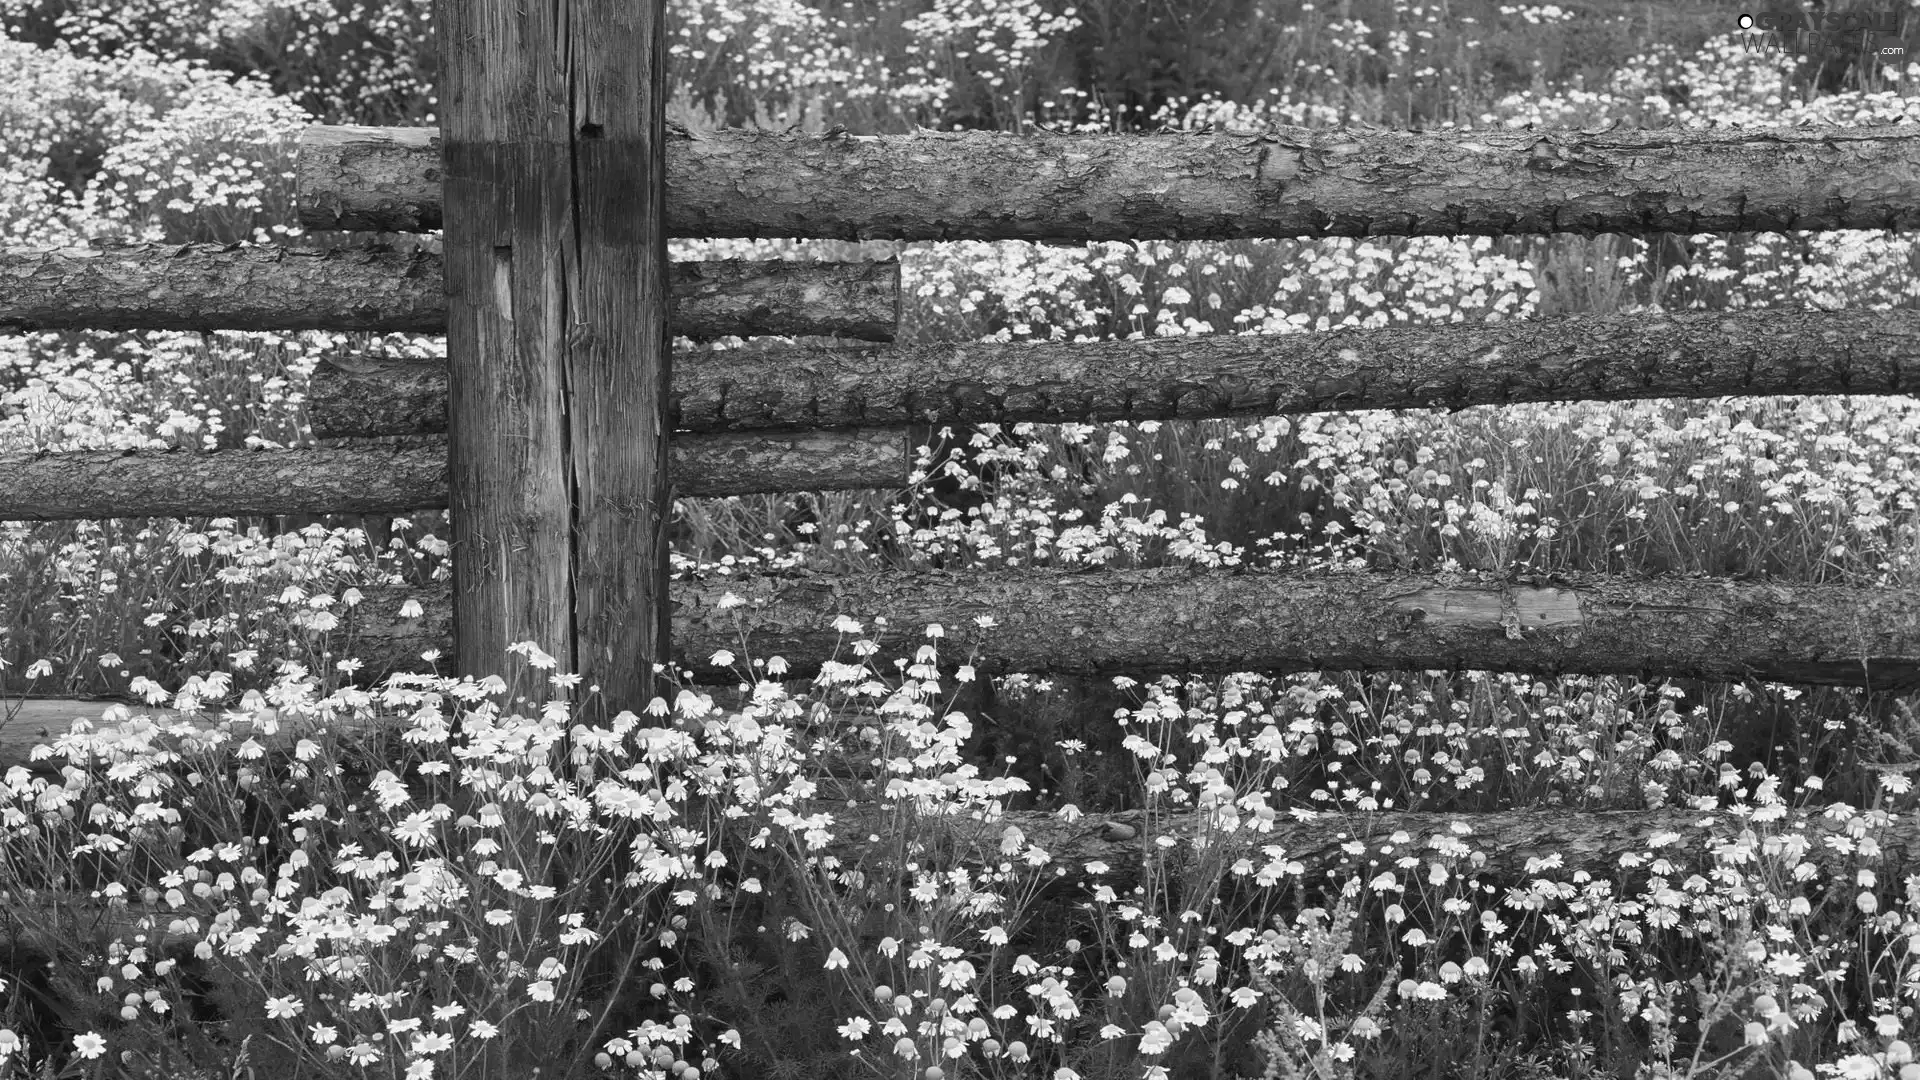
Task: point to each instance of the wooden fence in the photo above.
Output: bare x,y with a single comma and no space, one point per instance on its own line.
541,430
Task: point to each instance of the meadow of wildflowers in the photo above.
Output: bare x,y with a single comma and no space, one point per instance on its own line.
293,873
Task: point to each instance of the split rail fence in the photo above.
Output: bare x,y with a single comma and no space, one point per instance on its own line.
503,420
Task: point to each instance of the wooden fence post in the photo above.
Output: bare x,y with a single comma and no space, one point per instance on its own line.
552,123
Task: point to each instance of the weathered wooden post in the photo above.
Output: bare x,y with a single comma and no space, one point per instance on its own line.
552,123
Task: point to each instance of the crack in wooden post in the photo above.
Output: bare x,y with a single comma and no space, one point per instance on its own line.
558,292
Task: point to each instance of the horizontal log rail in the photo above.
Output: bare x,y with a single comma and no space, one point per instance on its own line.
1583,357
1217,185
1510,847
397,476
253,287
1160,621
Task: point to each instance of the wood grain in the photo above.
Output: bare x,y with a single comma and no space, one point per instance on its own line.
1214,185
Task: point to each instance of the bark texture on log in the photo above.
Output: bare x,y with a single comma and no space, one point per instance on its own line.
1149,622
786,298
1277,182
366,396
396,475
747,463
220,287
1574,357
253,287
391,477
1495,847
369,178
